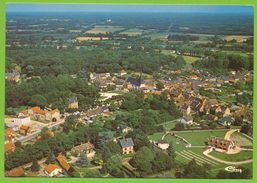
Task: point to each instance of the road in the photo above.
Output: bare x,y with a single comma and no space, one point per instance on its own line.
34,134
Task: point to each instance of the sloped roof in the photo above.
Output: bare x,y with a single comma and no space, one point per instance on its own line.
9,147
126,142
24,127
135,81
16,172
63,162
51,167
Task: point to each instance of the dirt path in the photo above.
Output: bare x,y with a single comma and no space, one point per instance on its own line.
229,133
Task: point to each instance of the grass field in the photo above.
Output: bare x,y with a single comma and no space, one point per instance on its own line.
241,140
190,59
199,138
237,53
103,29
133,32
243,155
170,125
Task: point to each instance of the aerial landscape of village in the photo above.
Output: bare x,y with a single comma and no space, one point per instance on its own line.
129,91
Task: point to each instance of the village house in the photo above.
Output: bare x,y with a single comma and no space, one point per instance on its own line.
127,145
16,172
38,114
122,73
73,103
162,144
87,148
53,170
220,143
22,120
9,147
133,83
226,121
9,134
13,76
63,162
124,128
24,130
97,111
187,120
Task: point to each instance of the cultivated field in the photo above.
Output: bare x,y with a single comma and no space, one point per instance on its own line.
103,29
89,38
238,38
133,32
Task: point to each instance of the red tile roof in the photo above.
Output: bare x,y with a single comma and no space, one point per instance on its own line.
16,172
51,167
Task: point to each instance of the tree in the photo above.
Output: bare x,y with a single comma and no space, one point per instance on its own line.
83,160
17,143
246,128
161,162
179,127
171,152
113,166
114,147
193,170
160,85
35,166
143,160
51,158
38,100
69,124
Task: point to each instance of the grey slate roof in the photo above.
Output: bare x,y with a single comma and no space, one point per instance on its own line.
126,142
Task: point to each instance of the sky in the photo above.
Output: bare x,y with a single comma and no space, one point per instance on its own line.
10,7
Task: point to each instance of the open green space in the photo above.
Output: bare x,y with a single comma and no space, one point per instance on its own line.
103,29
241,156
133,32
240,140
200,137
190,59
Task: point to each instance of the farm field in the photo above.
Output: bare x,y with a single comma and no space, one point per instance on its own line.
104,29
238,38
237,53
89,38
188,59
243,155
133,32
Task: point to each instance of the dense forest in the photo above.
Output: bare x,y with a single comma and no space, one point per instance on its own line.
39,62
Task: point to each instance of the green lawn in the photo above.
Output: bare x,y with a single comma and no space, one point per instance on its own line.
170,125
190,59
155,136
133,32
200,137
243,155
241,140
